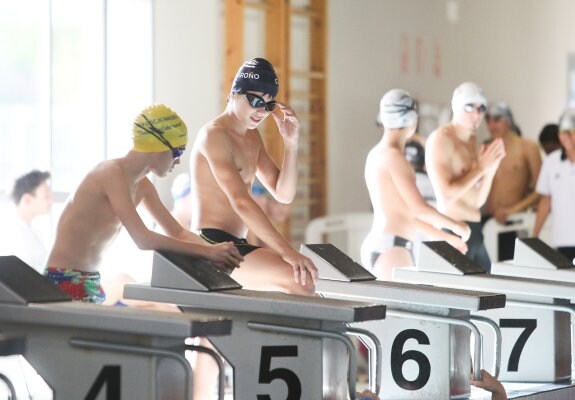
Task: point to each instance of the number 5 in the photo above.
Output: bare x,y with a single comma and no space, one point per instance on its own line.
267,375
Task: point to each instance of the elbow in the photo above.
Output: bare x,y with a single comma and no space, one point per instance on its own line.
422,210
241,204
143,242
285,199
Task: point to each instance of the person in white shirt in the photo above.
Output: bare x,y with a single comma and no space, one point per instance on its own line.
32,197
556,185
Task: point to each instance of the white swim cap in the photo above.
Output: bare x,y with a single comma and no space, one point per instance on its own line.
397,109
567,121
467,93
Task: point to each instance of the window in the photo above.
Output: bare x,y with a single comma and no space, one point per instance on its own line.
70,87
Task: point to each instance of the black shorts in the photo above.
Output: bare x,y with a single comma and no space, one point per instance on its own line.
214,236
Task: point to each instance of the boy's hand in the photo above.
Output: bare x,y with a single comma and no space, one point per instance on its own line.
458,243
288,125
225,254
301,265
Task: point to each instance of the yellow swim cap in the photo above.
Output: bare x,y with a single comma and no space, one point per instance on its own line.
157,128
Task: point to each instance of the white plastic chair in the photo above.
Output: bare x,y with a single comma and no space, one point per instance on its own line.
345,231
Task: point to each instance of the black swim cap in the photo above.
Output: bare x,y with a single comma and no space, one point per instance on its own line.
256,75
415,154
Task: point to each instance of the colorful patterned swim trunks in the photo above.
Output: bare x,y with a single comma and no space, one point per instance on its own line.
82,286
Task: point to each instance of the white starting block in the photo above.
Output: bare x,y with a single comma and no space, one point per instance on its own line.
282,346
88,351
533,258
535,323
426,334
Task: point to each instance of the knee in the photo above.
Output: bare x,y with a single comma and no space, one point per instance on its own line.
292,287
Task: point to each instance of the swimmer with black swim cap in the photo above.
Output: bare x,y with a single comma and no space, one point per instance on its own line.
226,157
399,209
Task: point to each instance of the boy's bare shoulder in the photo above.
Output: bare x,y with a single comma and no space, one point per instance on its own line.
441,138
104,174
382,157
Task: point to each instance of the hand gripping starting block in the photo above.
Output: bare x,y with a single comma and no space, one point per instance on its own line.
426,334
87,351
282,346
535,323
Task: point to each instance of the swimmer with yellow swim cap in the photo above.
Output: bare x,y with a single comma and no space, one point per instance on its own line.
157,129
107,199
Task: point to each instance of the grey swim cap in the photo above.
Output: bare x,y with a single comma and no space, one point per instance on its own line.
397,109
500,110
467,93
256,75
567,121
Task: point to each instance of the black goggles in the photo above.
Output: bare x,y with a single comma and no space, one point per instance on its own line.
258,102
158,134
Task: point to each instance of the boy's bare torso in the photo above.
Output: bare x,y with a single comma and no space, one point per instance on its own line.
210,205
80,245
391,214
513,180
461,158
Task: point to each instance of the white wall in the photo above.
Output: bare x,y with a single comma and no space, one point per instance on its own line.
188,52
515,49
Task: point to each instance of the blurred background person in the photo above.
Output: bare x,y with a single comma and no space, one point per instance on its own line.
549,138
182,209
415,155
32,197
513,187
556,185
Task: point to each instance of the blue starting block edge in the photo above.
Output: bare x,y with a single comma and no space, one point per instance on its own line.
260,302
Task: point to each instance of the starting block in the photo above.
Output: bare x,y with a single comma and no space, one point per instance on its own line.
281,346
535,324
426,334
533,258
86,351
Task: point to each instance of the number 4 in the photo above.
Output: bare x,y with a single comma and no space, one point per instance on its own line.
110,376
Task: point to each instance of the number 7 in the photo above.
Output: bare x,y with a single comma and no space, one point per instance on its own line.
529,326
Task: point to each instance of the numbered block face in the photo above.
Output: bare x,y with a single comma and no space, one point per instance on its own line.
270,366
536,344
75,373
421,359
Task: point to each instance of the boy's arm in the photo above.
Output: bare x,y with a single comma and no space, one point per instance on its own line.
543,209
119,197
404,180
438,152
437,234
491,384
534,164
151,200
281,182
